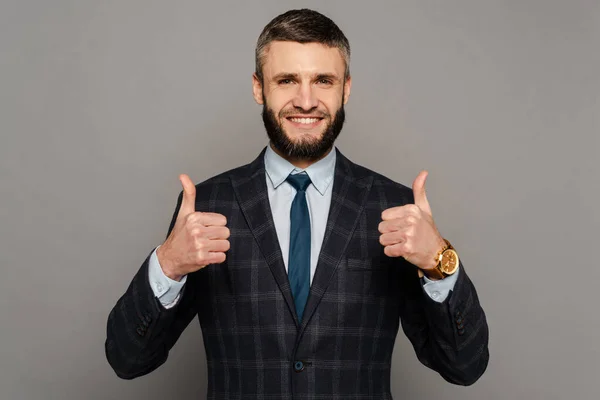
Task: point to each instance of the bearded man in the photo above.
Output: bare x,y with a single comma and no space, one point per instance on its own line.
301,265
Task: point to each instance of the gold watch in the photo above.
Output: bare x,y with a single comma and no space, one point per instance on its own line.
448,262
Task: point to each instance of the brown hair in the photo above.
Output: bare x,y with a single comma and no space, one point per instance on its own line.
302,26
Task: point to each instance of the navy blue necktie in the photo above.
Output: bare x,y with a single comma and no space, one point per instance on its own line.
299,260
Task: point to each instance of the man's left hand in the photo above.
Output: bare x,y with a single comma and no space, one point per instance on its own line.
409,231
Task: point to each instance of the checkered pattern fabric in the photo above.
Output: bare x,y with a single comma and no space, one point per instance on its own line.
255,347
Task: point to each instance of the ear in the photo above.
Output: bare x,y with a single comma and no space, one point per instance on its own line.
347,87
257,89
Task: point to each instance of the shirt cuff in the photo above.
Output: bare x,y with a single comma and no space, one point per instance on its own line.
439,290
165,289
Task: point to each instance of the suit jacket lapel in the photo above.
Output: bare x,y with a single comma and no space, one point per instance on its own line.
251,191
350,192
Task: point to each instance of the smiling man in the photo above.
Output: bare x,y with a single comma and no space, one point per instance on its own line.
303,88
301,265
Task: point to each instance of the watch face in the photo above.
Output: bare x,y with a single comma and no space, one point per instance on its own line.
449,261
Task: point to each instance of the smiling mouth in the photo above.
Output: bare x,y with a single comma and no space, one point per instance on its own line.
304,120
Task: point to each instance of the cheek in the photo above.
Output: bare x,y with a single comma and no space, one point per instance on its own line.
332,100
277,104
278,97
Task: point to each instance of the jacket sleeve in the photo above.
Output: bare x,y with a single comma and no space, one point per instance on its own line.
140,331
450,337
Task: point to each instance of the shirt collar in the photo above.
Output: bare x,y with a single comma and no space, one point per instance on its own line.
320,173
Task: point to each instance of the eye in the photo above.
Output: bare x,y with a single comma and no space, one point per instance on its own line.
284,81
324,81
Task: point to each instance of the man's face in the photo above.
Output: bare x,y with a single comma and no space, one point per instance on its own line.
303,95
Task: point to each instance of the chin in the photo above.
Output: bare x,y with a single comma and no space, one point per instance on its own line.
303,135
305,138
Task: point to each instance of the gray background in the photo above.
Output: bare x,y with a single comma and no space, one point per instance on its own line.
104,103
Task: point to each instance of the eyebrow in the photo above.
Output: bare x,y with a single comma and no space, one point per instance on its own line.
285,75
293,76
331,77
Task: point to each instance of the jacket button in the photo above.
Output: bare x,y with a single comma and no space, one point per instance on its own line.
298,366
140,331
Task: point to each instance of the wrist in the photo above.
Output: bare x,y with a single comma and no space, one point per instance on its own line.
167,265
432,274
434,271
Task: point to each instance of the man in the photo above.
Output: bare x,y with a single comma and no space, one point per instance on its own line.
301,265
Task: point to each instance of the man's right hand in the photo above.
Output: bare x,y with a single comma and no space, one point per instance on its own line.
197,239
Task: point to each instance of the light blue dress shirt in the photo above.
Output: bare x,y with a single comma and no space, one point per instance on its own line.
281,194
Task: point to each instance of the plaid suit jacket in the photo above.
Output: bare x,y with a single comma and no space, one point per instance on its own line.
255,346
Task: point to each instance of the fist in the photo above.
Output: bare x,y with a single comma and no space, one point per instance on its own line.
409,231
197,239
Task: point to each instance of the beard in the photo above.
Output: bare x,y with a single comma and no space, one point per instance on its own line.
302,149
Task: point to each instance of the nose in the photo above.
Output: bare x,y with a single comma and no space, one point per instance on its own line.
305,97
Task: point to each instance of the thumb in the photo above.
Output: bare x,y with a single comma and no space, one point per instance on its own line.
188,202
419,192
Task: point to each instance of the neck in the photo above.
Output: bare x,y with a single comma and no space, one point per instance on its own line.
300,162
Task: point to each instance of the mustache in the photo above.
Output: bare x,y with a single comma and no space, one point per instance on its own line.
299,111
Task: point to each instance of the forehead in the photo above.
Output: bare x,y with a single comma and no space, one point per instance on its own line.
302,58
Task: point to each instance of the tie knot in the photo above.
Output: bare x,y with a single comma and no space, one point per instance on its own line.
299,181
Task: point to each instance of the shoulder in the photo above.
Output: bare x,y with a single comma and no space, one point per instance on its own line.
222,183
381,184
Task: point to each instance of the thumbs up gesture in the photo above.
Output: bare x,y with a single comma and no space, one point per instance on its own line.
409,231
197,239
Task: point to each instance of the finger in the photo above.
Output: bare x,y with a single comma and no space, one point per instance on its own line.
391,238
419,192
391,213
216,257
398,224
216,232
212,219
217,245
396,250
388,226
400,212
188,202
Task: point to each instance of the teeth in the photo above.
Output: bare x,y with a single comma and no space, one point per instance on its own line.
304,120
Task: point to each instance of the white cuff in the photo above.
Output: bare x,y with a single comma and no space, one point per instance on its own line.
165,289
439,290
